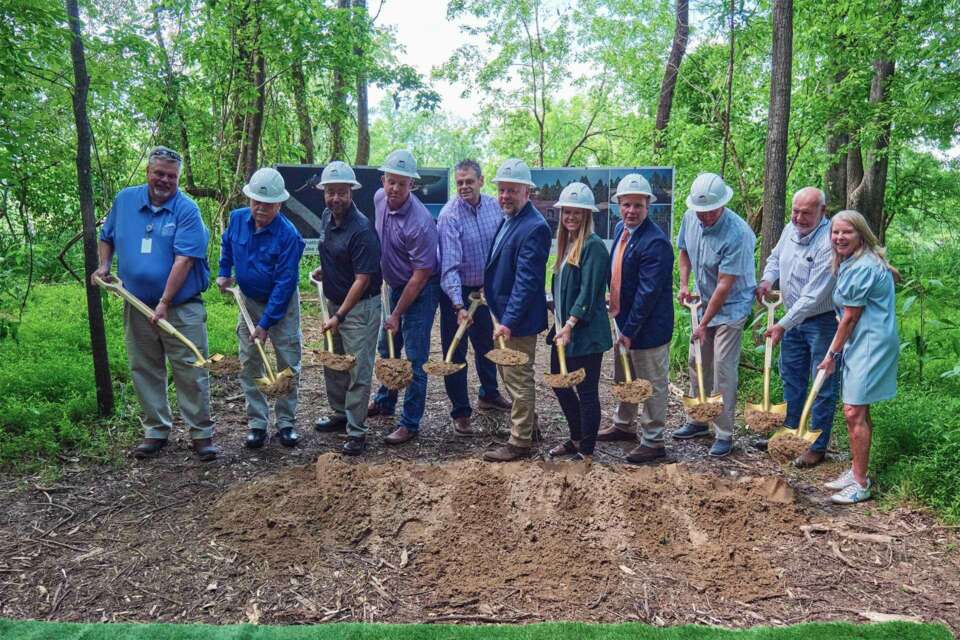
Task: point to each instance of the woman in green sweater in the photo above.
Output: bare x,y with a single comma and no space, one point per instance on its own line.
580,276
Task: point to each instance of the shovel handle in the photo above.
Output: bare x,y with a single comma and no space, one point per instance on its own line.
562,357
390,344
808,404
694,304
624,360
771,304
139,305
266,362
242,304
462,329
324,314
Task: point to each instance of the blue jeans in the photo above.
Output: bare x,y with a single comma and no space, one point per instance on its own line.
414,339
480,334
802,349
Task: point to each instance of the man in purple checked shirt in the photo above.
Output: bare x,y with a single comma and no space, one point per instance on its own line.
468,224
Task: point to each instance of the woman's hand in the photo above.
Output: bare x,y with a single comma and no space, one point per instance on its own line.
563,336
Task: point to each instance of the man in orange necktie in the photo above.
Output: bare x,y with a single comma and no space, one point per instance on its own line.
641,303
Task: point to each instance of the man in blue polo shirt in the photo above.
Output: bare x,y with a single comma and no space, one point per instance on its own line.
161,246
264,248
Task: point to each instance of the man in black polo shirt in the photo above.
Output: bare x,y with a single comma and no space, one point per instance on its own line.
350,272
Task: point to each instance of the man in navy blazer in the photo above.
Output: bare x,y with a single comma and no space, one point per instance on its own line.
513,284
641,303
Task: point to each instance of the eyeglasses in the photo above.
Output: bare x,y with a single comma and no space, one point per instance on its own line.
166,154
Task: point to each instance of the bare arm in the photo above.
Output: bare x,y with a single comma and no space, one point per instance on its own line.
360,283
410,292
684,268
181,267
851,316
719,297
105,251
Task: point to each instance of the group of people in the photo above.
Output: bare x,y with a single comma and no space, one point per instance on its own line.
836,285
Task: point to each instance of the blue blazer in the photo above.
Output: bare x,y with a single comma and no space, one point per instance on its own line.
516,272
646,286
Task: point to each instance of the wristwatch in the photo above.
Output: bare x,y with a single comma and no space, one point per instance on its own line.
164,300
458,308
340,317
834,354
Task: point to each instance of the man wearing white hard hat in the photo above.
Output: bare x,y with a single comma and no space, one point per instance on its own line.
717,246
350,271
160,241
263,249
641,303
513,285
409,265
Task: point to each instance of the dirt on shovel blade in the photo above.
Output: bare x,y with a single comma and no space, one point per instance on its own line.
507,357
564,380
763,421
394,373
704,412
276,389
633,392
441,368
226,366
335,361
786,447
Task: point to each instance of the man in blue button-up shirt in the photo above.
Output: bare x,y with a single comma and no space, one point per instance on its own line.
160,242
264,249
717,246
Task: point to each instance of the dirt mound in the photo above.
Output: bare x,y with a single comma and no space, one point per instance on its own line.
473,530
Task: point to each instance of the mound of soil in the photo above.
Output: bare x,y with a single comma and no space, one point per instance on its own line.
471,530
763,421
704,412
394,373
786,447
633,392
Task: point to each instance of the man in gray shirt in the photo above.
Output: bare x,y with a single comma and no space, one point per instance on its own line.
801,261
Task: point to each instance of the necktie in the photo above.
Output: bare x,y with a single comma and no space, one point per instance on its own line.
615,274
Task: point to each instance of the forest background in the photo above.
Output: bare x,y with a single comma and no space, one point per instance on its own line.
860,97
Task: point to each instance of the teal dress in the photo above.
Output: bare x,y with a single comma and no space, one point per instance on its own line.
871,353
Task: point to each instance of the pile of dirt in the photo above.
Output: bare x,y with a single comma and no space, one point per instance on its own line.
507,357
763,421
394,373
786,447
704,412
441,368
568,533
633,392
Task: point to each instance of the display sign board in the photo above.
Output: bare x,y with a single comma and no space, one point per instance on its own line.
305,206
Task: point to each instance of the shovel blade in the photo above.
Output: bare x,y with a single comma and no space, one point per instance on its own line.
689,402
811,436
755,407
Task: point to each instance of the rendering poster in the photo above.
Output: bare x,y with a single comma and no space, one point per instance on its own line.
305,206
603,182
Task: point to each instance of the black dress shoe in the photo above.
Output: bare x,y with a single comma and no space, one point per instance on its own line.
334,424
288,436
256,438
354,446
205,449
149,448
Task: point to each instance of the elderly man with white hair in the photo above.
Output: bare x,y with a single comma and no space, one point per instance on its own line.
801,261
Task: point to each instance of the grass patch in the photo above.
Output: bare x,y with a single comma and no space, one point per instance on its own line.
548,631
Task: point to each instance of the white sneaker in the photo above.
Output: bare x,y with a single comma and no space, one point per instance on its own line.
844,481
852,494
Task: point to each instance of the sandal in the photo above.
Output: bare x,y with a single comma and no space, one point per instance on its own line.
565,449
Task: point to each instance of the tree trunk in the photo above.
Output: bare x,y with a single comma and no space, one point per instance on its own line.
255,122
303,113
868,196
363,107
338,107
98,336
835,177
729,92
680,34
778,122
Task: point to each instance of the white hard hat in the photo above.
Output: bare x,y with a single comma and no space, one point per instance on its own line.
338,172
514,170
401,163
708,192
633,184
266,185
577,195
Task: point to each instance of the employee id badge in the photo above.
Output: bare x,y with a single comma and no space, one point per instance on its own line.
146,245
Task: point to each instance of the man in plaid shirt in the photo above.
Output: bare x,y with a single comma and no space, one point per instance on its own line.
467,226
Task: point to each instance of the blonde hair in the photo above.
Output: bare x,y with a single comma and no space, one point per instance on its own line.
868,240
563,239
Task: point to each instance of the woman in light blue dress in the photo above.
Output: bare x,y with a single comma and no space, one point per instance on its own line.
866,341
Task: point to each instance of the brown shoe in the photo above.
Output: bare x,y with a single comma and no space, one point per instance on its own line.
808,459
400,435
507,453
205,450
613,433
567,448
375,410
149,448
645,455
498,403
462,426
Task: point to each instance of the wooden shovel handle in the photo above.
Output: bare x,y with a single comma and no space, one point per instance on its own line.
624,359
462,329
694,304
771,304
808,404
562,357
324,314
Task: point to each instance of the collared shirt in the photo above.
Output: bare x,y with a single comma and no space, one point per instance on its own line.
267,261
347,250
466,235
508,222
724,247
408,239
146,242
803,264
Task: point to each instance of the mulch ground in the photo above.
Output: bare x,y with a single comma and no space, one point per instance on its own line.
426,532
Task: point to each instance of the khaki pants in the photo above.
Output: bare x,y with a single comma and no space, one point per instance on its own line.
287,339
348,392
653,365
721,362
519,381
148,348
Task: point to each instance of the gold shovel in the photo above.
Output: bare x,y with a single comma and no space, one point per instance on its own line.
802,431
633,391
273,384
447,366
327,357
502,355
394,373
700,408
117,287
765,416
